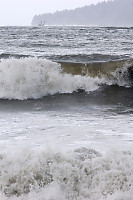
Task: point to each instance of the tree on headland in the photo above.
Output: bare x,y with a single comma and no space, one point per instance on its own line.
110,13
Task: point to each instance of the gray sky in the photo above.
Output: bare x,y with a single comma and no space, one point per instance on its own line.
21,12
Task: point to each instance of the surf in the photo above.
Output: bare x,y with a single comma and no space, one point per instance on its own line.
83,173
33,78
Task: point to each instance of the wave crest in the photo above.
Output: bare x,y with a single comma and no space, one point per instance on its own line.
34,78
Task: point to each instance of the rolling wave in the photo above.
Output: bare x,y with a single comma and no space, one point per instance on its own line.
88,58
9,55
94,69
26,78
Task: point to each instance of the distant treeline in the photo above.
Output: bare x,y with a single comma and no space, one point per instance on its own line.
110,13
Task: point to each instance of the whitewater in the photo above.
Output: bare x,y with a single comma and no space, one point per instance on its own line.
66,113
35,78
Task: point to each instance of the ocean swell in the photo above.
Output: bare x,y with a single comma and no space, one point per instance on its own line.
34,78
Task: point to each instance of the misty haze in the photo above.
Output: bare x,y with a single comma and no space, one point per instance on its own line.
111,13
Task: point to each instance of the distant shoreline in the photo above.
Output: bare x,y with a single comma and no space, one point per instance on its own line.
111,13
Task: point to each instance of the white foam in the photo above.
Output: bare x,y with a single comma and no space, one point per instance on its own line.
82,174
34,78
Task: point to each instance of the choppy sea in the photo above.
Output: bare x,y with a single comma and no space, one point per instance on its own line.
66,113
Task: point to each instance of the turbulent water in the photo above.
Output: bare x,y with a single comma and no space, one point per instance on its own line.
66,113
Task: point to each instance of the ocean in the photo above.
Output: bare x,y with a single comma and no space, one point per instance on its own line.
66,113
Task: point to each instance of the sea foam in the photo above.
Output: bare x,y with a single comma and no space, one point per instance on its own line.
82,174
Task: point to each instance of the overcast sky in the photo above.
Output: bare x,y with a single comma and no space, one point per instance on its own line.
21,12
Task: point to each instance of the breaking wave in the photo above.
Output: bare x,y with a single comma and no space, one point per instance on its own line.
34,78
81,174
